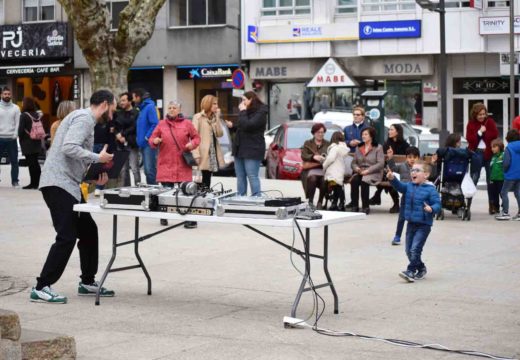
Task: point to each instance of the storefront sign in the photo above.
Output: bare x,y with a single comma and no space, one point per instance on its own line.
33,70
302,33
34,41
505,67
288,69
495,25
482,86
390,29
391,66
204,72
331,75
75,87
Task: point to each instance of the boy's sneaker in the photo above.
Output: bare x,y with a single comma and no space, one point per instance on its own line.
516,217
47,295
503,216
421,274
407,275
397,240
97,193
87,290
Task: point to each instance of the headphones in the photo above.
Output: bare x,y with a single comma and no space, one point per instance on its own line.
189,188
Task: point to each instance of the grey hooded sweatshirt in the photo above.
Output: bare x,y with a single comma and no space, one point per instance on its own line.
9,120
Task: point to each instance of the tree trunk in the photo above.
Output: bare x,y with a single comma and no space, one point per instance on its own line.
109,54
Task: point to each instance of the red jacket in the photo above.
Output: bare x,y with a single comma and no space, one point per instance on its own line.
516,123
473,138
171,166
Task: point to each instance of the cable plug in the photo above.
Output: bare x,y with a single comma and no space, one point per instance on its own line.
293,323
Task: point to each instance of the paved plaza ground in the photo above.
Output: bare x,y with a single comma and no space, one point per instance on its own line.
221,291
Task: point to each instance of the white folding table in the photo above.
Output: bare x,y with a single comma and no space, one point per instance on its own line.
329,218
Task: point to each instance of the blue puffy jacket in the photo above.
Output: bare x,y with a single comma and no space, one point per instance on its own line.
147,120
512,161
353,132
416,197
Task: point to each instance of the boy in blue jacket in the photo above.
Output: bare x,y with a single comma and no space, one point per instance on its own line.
421,202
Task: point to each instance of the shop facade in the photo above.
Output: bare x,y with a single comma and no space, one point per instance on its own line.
37,61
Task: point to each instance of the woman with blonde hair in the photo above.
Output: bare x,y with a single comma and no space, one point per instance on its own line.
64,108
207,123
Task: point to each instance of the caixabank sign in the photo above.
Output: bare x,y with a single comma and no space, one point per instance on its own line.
34,41
390,29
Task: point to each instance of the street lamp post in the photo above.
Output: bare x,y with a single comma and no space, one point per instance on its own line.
440,8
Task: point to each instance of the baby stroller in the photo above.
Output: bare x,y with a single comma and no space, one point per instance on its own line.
453,163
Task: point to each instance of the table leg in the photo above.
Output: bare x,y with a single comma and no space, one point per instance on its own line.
307,272
114,253
326,268
136,250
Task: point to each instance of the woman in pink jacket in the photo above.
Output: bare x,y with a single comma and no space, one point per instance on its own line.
171,167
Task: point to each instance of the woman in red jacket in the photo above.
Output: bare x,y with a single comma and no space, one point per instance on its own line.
171,167
480,131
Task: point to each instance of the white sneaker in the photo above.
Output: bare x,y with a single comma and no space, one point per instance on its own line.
503,216
97,193
47,295
516,217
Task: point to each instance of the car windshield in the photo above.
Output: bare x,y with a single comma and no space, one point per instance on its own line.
296,136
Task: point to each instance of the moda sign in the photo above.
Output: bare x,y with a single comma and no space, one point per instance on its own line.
34,41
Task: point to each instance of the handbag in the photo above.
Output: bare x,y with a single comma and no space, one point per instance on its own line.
468,186
307,165
186,155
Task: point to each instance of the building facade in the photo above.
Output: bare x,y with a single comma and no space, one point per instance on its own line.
36,54
392,45
192,53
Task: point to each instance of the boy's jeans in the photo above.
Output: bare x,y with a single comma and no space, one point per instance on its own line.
416,235
401,220
507,187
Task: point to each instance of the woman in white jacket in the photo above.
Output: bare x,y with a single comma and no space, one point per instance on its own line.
334,167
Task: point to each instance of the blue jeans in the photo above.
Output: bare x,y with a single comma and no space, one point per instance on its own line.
416,235
476,167
12,151
401,220
507,187
150,164
247,169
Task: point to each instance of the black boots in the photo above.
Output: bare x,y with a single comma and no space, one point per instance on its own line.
395,198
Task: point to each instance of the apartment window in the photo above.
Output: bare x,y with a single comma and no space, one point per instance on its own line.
286,7
197,12
115,7
346,6
456,4
387,5
38,10
499,3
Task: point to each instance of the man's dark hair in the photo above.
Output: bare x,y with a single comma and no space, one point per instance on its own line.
140,92
412,150
452,140
127,94
100,96
512,135
5,88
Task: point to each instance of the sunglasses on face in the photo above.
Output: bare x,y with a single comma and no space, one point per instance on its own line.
358,114
415,170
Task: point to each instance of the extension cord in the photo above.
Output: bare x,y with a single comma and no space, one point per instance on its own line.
294,323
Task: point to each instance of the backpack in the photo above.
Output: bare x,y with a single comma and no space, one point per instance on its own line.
37,132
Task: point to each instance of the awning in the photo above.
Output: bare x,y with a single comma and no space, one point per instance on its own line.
332,74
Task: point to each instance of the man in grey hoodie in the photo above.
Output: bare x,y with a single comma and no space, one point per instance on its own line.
9,121
64,168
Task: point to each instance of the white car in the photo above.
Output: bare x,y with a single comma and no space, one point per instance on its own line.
344,119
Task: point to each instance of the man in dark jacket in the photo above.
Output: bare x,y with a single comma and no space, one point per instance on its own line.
353,132
146,123
126,135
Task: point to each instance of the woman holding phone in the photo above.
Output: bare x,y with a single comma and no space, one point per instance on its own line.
249,144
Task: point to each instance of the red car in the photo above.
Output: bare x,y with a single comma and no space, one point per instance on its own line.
284,159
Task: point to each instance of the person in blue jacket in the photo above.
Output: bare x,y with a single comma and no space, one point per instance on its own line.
353,132
147,120
511,165
421,202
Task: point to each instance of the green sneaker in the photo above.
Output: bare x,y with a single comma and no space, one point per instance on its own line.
47,295
89,290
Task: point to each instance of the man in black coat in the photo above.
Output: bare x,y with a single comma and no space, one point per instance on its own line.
125,124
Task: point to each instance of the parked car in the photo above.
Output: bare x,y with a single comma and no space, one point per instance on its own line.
284,154
344,119
429,143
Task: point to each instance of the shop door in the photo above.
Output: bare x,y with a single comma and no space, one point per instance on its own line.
497,106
